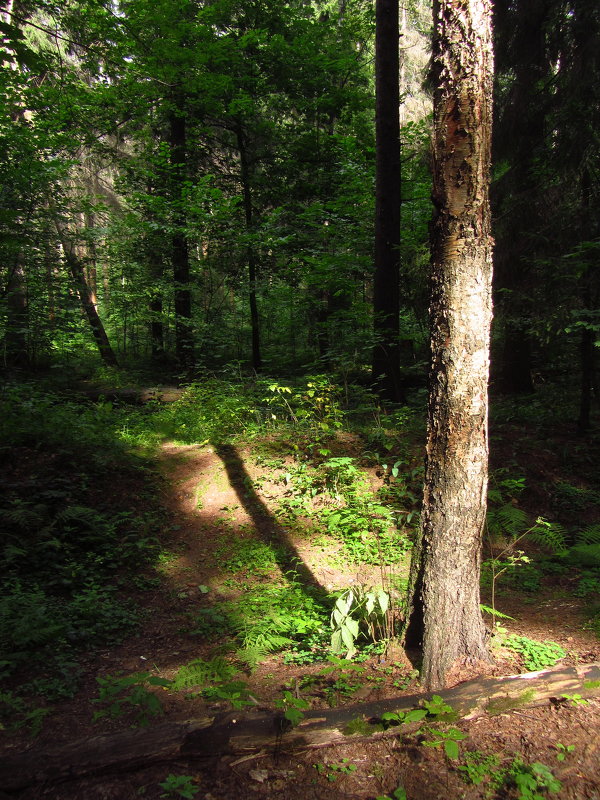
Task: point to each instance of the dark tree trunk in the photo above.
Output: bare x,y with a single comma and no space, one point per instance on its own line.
77,270
184,338
446,564
520,209
16,351
386,283
250,251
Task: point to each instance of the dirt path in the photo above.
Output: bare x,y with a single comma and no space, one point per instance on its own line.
216,495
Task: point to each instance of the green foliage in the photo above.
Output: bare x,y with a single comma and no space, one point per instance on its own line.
448,739
122,693
268,618
334,769
535,655
563,750
199,673
248,556
17,713
358,608
41,632
235,692
179,786
479,767
575,699
293,707
398,794
532,781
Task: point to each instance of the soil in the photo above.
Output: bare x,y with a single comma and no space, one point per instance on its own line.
213,493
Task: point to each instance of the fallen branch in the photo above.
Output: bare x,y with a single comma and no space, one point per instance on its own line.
249,732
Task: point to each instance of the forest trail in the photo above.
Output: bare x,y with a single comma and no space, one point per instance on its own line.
219,499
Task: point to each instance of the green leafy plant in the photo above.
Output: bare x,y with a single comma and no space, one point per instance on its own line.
398,794
563,750
479,767
293,707
536,655
179,786
121,693
359,609
532,781
334,770
575,699
448,739
198,673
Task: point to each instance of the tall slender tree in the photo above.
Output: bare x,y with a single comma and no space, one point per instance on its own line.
446,617
386,284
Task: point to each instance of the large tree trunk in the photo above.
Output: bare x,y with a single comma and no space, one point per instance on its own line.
446,565
386,283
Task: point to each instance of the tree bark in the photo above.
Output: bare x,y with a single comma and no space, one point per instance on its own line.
446,616
386,282
249,732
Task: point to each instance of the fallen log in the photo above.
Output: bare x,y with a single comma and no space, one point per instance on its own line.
247,732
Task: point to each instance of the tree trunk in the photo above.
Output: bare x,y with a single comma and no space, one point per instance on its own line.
16,351
184,338
250,253
386,282
518,203
77,270
446,563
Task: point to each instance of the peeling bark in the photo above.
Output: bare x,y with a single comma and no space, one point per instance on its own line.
446,617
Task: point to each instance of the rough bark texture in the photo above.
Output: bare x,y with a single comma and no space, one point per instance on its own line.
445,573
250,732
386,283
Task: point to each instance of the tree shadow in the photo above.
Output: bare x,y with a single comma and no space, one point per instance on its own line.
286,555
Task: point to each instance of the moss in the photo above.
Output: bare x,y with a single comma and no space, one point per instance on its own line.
591,684
362,726
502,704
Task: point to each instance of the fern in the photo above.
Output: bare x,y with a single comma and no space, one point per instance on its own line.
585,556
199,673
589,535
257,646
508,520
550,535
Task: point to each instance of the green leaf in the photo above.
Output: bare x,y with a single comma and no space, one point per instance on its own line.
451,749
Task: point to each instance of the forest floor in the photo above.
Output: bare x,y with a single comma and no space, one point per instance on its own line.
227,537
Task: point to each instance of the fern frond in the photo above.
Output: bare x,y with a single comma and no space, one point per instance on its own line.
590,535
585,555
550,535
494,612
256,648
508,520
199,673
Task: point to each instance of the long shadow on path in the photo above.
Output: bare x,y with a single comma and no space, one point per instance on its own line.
288,559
